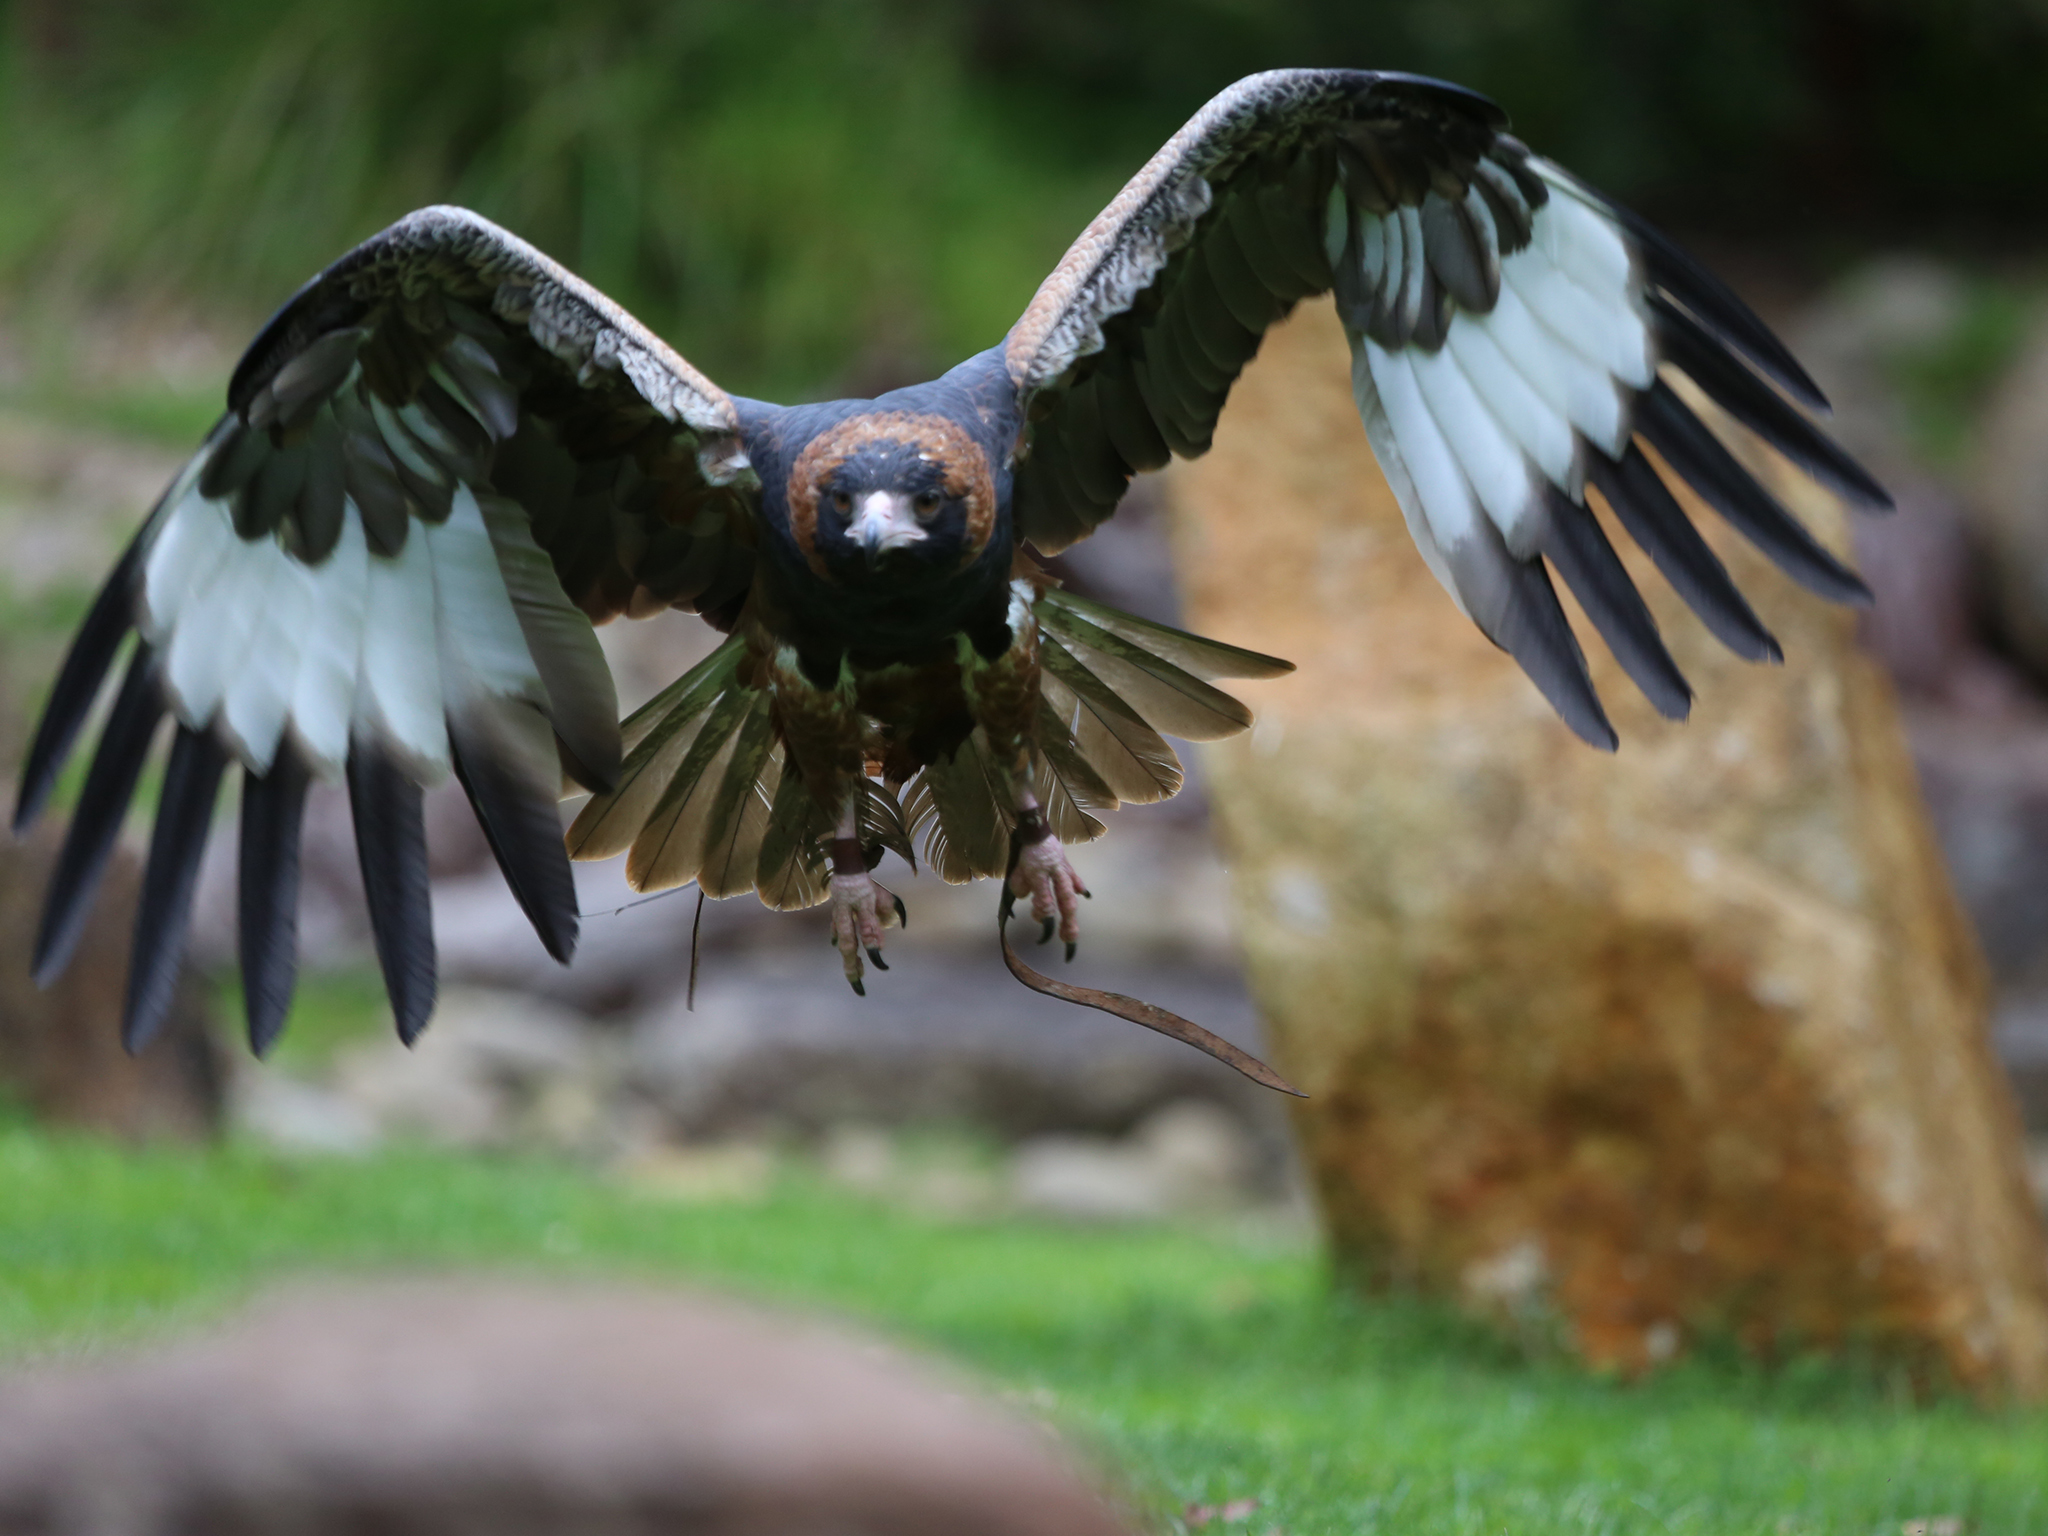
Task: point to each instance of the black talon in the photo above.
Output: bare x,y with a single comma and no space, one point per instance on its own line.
1045,929
876,956
855,983
1071,947
902,912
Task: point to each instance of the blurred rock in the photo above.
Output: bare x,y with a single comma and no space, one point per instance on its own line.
480,1405
292,1115
1188,1158
1086,1178
494,1069
60,1050
778,1044
1691,1038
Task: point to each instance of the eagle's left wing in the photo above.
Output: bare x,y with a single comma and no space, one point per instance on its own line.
441,462
1514,339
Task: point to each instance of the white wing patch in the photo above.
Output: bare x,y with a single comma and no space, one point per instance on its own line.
256,644
1471,430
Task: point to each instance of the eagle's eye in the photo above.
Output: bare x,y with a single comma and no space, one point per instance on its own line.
925,503
841,503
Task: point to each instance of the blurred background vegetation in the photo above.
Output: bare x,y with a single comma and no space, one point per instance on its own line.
808,195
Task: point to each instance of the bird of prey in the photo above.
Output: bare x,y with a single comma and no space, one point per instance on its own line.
446,458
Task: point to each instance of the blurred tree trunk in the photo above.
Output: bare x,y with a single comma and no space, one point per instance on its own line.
1685,1041
60,1050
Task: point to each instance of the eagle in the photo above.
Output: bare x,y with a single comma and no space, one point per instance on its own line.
446,458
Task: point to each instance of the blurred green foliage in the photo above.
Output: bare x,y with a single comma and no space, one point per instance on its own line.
805,192
1946,383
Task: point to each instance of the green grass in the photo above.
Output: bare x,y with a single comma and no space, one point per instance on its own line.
1205,1371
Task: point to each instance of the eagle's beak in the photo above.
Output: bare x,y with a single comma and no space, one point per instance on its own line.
883,521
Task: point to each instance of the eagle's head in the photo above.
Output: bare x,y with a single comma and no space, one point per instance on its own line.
891,498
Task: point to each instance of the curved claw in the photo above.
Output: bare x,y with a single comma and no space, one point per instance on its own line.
859,917
1041,872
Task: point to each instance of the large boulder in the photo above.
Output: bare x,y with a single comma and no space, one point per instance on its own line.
459,1407
1689,1040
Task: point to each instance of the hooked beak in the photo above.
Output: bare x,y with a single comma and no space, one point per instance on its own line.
882,522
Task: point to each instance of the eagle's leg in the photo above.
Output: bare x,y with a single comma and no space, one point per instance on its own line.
821,726
861,909
1002,695
1043,873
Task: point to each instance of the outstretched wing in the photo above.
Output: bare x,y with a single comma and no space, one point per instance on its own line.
441,462
1515,338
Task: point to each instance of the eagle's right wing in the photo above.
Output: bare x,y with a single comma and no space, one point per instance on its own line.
442,460
1514,340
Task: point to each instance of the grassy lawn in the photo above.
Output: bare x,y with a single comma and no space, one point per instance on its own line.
1203,1370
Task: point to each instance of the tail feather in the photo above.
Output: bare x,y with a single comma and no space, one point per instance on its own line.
669,848
1171,699
881,821
791,873
1131,758
735,817
953,805
658,736
1205,658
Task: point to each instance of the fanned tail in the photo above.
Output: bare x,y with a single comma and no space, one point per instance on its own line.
1110,684
954,807
707,793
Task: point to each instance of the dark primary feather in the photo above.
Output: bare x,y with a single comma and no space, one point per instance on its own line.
1680,275
78,685
267,896
1575,545
1746,397
520,823
1651,514
96,821
391,845
1532,628
164,914
1702,462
